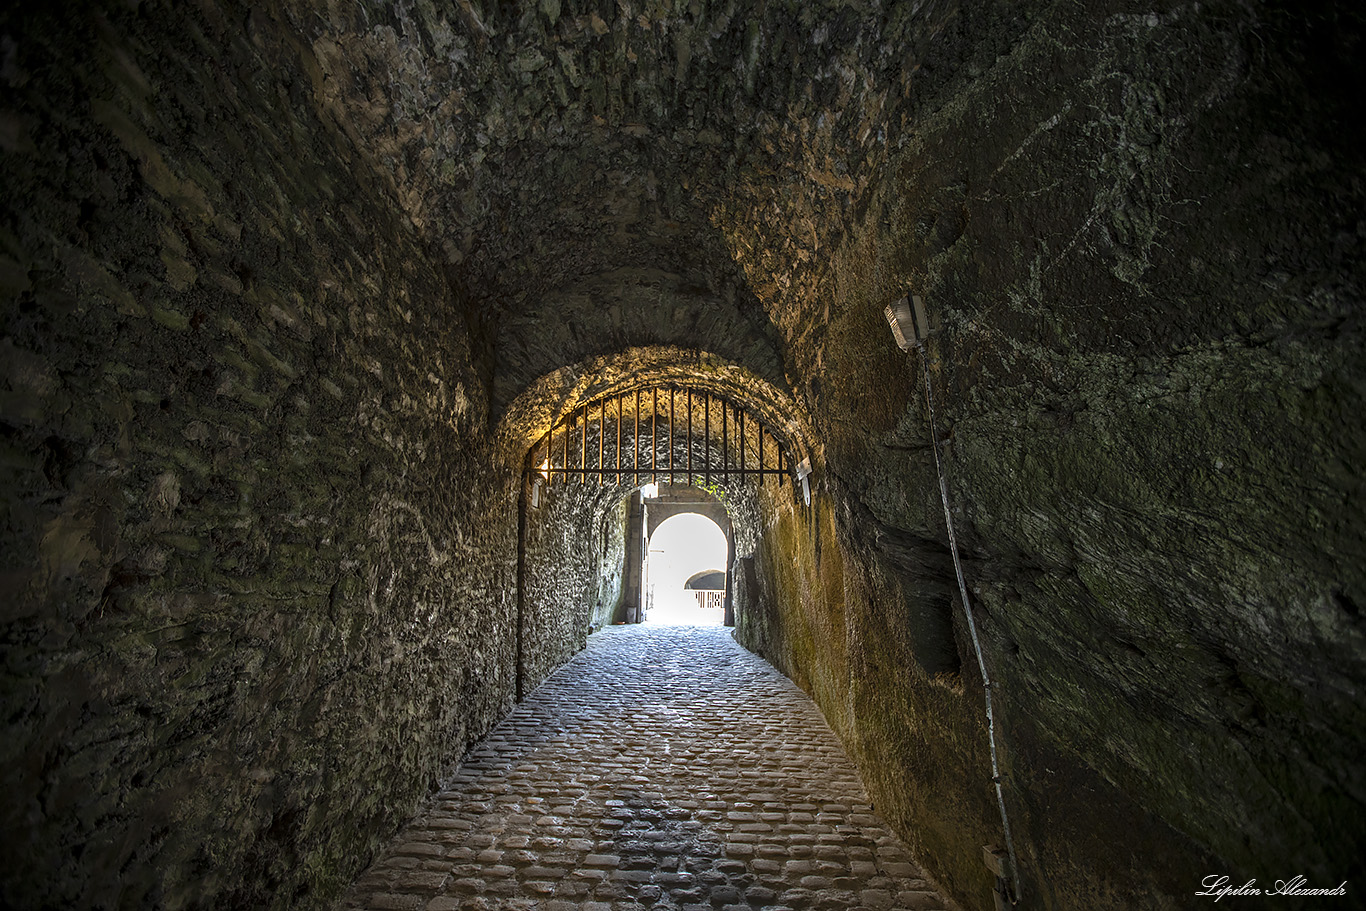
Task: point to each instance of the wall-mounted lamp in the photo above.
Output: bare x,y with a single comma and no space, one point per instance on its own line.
909,321
536,492
803,475
649,492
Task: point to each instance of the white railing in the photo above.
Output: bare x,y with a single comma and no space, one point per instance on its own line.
709,598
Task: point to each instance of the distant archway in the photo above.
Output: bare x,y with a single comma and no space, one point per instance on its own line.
684,548
706,580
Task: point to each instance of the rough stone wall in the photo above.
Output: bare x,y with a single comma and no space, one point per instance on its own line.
573,554
1140,229
844,619
256,585
608,602
790,606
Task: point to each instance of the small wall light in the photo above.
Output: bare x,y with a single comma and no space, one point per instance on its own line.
649,492
909,321
536,493
803,474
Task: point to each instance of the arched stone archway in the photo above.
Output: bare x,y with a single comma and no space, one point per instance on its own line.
646,515
681,499
683,547
706,580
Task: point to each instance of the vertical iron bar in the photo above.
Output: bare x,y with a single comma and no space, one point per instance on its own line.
548,473
619,398
775,443
762,477
671,435
602,419
654,437
568,427
740,416
689,443
635,444
725,444
583,451
706,431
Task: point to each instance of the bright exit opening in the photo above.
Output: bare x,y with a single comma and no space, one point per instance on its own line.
685,572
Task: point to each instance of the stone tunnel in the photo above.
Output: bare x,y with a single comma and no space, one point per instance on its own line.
292,290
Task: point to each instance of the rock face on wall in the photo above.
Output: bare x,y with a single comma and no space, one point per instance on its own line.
1149,277
572,560
257,572
289,289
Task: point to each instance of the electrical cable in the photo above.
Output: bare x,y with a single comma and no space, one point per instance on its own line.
972,624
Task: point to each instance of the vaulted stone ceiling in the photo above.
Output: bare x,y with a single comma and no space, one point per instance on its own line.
664,176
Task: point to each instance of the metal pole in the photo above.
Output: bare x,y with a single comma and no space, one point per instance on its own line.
725,445
619,440
972,626
689,444
740,415
654,436
706,432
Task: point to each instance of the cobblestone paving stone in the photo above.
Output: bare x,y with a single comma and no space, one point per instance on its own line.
665,768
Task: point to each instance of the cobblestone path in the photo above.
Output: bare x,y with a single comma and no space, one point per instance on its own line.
663,767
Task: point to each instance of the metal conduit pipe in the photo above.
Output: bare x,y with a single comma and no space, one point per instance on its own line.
911,327
972,629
